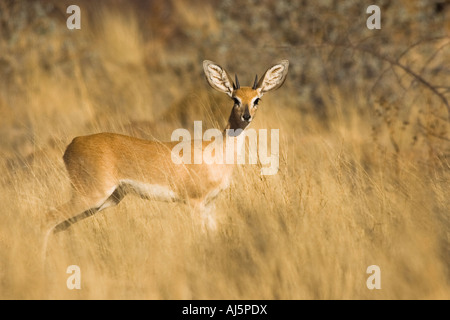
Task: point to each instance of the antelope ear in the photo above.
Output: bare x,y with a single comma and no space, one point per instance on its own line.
218,78
273,78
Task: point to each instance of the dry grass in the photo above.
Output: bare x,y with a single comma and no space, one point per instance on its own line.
353,189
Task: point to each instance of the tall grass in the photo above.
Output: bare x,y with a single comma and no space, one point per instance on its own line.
354,187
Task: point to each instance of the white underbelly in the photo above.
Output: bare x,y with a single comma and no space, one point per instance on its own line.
148,190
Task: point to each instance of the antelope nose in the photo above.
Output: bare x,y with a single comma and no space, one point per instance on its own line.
246,117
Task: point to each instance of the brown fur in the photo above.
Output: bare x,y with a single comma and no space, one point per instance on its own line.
102,166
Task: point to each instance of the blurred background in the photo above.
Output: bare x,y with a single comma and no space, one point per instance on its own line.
364,137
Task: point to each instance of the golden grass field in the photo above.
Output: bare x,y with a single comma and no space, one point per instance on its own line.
364,169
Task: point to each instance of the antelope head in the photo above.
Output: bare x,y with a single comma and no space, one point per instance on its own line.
245,99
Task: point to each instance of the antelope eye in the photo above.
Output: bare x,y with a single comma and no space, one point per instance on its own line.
236,101
256,101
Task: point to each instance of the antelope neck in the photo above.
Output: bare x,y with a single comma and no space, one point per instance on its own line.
235,135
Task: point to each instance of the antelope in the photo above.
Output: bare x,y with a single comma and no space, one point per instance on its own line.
105,167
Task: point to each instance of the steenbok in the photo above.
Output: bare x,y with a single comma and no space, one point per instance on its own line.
105,167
